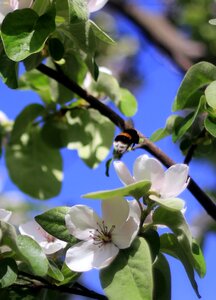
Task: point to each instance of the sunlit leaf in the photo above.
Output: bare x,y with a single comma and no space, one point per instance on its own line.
54,272
25,120
172,246
127,103
24,32
32,254
196,77
101,132
100,34
170,203
137,190
210,93
130,275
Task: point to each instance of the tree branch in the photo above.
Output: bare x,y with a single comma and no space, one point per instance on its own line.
39,283
74,87
196,191
161,33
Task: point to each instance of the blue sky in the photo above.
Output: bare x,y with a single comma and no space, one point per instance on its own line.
161,82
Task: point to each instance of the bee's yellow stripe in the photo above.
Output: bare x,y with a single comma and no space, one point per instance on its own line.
126,134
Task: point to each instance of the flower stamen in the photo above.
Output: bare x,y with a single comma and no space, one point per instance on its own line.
102,234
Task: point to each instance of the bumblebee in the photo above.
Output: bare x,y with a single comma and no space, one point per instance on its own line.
127,138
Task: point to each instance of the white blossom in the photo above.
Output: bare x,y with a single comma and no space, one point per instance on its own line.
101,238
48,243
94,5
166,184
7,6
5,215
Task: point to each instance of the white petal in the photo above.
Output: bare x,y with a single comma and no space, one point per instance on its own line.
175,181
79,258
25,3
80,220
126,234
146,168
34,230
135,211
105,255
5,215
115,211
123,172
94,5
85,256
52,247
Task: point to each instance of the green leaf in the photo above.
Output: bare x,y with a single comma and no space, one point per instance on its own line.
9,235
83,37
24,32
41,166
32,254
172,246
56,48
31,62
198,259
54,272
8,272
62,131
210,126
159,134
196,77
40,6
182,127
153,239
130,275
8,69
164,132
210,93
107,85
53,221
100,34
24,121
38,82
169,203
78,11
137,190
127,103
101,132
162,279
176,222
69,276
62,11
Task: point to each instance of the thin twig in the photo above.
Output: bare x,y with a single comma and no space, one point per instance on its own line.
193,187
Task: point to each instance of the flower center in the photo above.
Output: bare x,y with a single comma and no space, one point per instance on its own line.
102,234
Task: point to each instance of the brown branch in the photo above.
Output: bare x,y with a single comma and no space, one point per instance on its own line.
74,87
162,33
38,283
195,190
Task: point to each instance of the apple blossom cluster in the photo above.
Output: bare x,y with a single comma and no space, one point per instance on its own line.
101,239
